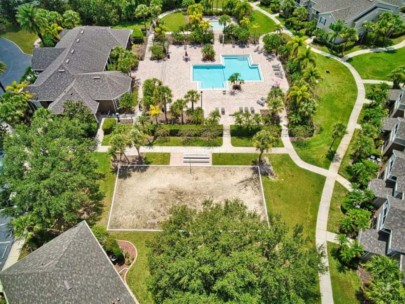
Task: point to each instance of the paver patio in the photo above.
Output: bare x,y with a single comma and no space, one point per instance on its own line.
176,73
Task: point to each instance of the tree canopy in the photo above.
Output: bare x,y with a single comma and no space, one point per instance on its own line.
225,254
49,178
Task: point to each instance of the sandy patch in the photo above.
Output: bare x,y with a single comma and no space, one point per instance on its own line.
144,195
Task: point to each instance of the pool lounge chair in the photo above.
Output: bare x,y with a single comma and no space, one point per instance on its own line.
241,109
246,110
222,111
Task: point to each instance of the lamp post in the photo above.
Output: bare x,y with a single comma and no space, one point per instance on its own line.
201,98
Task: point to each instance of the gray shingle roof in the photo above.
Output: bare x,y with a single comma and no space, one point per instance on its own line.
379,188
395,222
348,9
393,94
43,57
72,268
373,241
398,168
400,184
82,50
390,123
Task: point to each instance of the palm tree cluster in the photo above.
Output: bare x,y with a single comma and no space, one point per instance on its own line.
157,97
46,24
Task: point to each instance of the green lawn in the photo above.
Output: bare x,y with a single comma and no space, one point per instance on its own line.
174,20
244,140
335,211
136,26
295,193
139,273
378,65
20,37
152,158
266,24
336,93
345,282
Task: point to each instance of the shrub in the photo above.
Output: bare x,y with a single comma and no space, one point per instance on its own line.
301,131
127,102
109,125
158,51
208,52
108,242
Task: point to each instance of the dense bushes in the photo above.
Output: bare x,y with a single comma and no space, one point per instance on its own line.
109,125
108,242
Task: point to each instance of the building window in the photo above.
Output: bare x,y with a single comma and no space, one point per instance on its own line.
322,20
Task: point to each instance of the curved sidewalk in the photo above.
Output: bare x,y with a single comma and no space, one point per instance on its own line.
377,50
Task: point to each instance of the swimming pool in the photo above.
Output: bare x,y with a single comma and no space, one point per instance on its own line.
216,26
215,76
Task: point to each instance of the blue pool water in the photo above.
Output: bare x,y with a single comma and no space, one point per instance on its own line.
215,25
215,76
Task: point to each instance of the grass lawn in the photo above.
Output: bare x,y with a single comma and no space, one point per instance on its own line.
378,65
335,213
139,273
336,93
241,139
174,20
266,24
295,193
20,37
153,158
345,282
136,26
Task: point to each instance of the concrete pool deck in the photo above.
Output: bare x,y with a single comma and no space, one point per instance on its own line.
176,73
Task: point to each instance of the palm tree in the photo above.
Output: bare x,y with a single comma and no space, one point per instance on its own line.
338,130
142,11
71,19
263,141
163,95
3,68
179,106
192,96
275,105
307,108
397,76
337,28
369,27
299,94
278,28
255,27
295,44
154,111
138,138
224,20
236,81
118,143
31,21
305,58
349,34
311,75
287,6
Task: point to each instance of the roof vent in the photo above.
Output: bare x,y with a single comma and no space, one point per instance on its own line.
67,286
82,32
77,40
67,60
61,70
72,51
96,77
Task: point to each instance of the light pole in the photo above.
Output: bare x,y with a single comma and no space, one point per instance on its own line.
201,98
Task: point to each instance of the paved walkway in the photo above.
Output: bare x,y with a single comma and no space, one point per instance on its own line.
377,50
375,81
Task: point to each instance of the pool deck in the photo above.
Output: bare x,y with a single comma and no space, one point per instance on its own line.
176,73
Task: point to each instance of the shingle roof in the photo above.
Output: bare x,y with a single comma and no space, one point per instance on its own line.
72,268
398,168
348,9
390,123
393,94
373,241
400,184
43,57
379,188
82,50
395,222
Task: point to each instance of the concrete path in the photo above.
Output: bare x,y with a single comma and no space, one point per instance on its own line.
14,253
377,50
375,81
323,212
